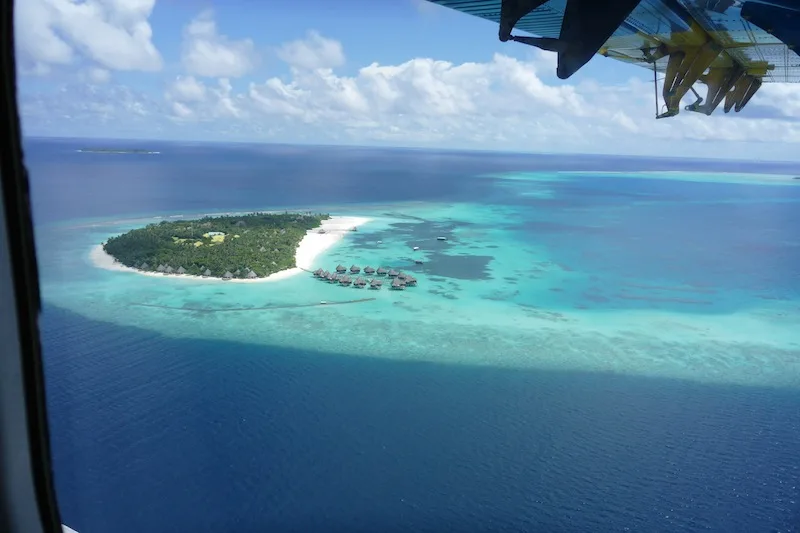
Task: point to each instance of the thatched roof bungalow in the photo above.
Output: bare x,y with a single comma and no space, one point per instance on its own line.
369,270
355,269
252,275
381,271
180,270
227,275
341,268
397,285
345,280
375,284
393,273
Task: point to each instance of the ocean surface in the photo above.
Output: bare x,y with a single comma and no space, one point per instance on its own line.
600,344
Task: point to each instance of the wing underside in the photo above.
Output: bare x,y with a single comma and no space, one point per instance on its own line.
731,46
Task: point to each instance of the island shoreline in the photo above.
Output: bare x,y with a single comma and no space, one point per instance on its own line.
311,246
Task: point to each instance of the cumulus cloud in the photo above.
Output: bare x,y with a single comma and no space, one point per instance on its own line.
115,34
207,53
85,110
191,99
187,89
313,52
98,75
504,103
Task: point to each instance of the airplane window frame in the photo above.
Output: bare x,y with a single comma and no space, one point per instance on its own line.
27,496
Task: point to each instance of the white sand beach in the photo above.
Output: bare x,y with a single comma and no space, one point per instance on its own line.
310,247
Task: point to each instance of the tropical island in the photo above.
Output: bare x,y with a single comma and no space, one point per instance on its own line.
116,151
243,246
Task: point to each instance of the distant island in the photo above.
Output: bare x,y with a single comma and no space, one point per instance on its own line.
116,151
245,246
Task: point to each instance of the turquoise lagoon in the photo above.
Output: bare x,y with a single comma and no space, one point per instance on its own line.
653,274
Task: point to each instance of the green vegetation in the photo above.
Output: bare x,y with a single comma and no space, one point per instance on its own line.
260,242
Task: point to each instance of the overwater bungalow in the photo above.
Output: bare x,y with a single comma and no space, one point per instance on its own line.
180,270
393,273
227,275
401,276
381,271
333,278
369,270
398,285
360,282
341,268
318,273
169,270
207,272
355,269
345,280
411,281
375,284
252,275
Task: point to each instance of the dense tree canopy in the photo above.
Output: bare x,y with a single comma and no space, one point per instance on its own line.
263,243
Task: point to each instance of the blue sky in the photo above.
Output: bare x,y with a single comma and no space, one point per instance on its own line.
365,72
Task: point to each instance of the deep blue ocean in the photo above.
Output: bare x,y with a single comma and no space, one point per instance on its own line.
213,436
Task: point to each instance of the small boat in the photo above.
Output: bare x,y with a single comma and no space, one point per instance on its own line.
380,242
418,261
441,238
416,248
323,302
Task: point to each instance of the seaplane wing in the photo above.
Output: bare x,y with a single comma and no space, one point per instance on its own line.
730,46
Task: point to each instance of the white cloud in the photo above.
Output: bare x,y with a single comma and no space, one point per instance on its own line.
207,53
116,34
315,51
181,110
36,39
504,103
98,75
80,109
193,100
187,89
